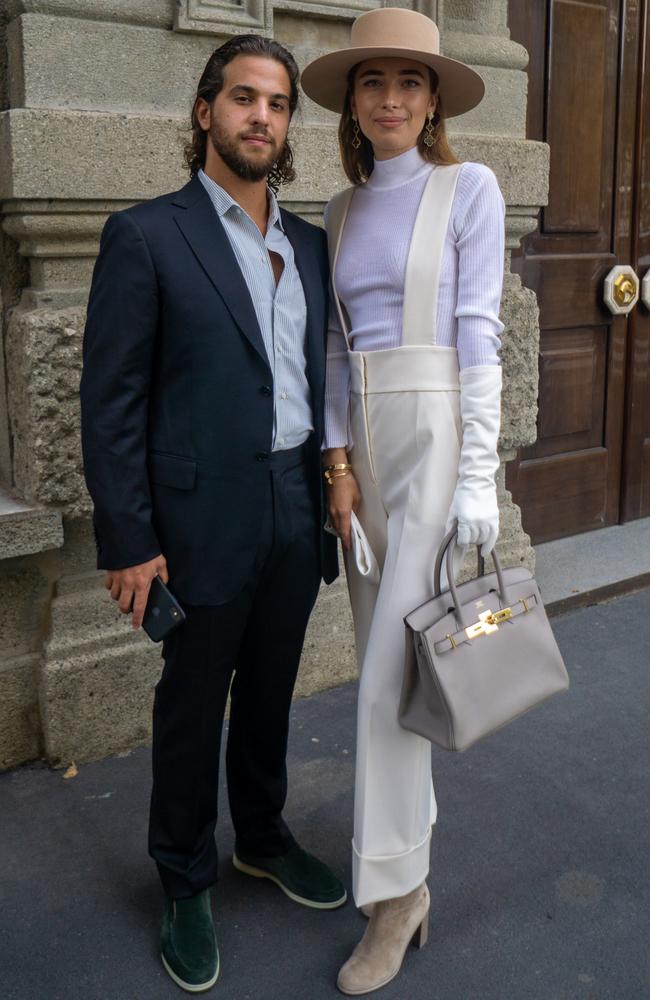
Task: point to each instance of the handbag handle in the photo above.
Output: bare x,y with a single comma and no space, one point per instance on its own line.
447,547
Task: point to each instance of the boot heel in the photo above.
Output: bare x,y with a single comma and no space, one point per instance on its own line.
421,935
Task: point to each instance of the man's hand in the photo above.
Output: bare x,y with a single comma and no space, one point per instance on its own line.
130,587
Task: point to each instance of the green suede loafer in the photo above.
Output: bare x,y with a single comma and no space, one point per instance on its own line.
301,876
188,943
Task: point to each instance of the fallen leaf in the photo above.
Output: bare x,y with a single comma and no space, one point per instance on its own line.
72,771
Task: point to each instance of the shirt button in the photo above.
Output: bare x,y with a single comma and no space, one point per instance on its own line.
262,456
266,390
281,441
283,395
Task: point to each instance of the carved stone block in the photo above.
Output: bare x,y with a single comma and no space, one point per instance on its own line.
520,339
44,366
219,17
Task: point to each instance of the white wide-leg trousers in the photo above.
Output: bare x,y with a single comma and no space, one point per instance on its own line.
406,429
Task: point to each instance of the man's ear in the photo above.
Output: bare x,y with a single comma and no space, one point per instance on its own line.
202,113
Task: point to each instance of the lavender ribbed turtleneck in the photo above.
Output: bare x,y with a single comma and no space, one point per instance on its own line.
372,263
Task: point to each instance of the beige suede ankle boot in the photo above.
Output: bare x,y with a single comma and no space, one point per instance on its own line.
378,957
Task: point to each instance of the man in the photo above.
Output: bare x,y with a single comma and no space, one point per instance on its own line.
202,400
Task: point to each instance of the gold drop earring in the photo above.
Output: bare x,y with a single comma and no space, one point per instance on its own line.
430,131
356,135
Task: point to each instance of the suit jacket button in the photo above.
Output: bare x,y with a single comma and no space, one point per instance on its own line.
266,390
262,456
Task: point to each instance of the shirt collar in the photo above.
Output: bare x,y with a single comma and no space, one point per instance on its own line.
223,202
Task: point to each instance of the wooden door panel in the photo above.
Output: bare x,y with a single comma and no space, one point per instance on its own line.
582,66
645,477
636,476
571,392
563,490
580,117
569,289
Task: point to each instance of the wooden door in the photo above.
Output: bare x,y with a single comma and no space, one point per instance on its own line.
636,452
583,74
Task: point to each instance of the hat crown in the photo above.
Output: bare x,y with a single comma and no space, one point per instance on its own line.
397,28
388,33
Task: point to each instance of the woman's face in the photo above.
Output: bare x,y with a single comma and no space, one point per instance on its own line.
391,99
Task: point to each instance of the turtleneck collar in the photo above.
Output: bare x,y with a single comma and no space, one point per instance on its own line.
397,171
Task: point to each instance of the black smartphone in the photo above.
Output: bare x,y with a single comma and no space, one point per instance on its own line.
163,613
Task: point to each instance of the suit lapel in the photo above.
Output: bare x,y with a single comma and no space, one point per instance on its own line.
204,232
309,272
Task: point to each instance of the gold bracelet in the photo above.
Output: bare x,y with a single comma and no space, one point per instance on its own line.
335,468
331,476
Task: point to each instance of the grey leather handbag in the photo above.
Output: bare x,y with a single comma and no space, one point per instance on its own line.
477,656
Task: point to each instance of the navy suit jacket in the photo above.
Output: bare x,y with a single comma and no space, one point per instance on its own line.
177,395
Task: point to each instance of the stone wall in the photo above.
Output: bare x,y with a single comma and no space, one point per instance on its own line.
94,114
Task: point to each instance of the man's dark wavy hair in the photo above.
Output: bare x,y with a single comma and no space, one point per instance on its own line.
211,83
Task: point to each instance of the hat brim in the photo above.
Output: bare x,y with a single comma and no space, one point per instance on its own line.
325,80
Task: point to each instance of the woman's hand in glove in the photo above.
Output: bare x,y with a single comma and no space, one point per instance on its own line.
474,504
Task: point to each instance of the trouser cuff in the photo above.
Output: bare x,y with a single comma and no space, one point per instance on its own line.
377,877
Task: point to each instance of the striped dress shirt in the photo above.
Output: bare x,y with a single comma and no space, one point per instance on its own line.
281,310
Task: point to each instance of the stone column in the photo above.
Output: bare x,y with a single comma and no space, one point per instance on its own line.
73,149
476,32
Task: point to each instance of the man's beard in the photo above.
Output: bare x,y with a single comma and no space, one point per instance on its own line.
228,150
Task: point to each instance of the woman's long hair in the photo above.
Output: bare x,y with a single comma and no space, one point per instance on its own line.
359,163
211,83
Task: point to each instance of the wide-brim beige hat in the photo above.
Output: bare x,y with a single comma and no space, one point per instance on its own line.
393,31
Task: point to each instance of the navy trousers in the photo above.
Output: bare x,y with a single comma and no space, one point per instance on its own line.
254,641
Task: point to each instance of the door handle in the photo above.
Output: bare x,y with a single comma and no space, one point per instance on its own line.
621,292
645,290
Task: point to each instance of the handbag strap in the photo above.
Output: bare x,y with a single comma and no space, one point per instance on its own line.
437,572
447,546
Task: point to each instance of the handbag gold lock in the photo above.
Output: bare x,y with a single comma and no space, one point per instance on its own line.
488,622
500,616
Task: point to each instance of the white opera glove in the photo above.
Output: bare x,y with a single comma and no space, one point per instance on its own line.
474,503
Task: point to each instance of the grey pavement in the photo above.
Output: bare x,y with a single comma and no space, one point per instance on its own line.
568,567
540,875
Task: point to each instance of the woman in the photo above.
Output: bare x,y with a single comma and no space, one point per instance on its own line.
412,418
